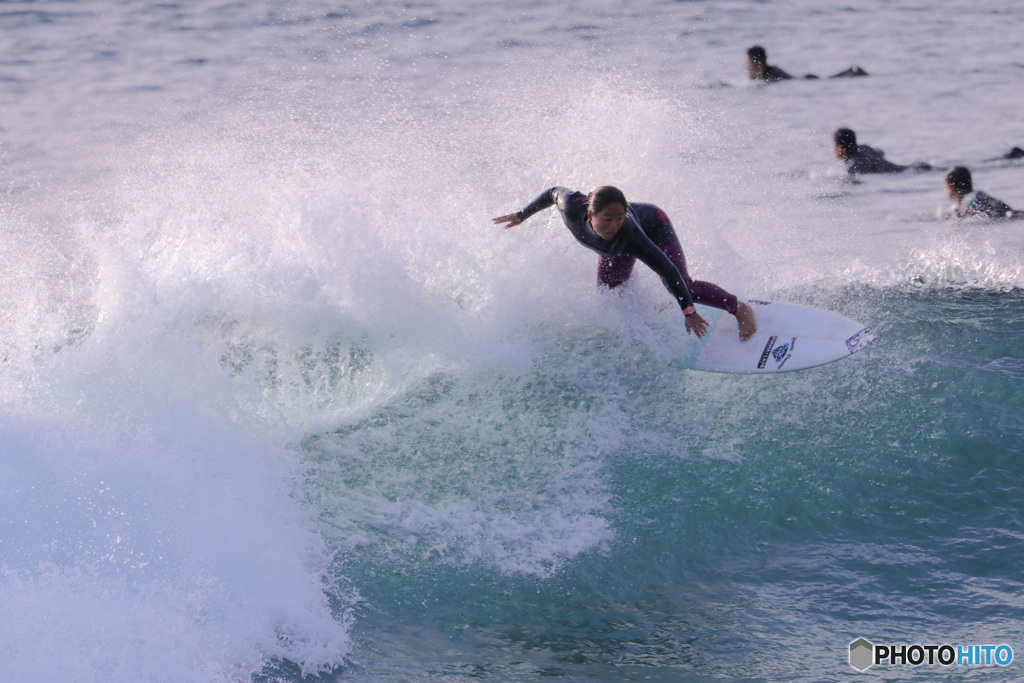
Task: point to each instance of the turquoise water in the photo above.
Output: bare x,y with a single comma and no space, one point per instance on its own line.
279,403
754,530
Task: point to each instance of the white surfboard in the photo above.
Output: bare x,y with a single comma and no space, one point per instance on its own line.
789,337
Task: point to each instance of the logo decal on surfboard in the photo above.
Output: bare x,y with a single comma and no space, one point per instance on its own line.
780,353
860,340
767,352
783,352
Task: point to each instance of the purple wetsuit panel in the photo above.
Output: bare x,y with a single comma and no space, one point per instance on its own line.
613,271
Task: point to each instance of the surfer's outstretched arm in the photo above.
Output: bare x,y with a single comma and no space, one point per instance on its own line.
546,199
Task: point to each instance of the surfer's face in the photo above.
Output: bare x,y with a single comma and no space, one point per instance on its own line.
952,193
608,221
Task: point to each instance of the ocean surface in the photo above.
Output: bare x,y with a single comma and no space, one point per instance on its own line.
279,403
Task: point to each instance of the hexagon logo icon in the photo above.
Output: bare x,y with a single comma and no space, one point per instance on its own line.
861,654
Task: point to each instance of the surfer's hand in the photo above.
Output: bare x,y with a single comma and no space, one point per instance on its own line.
697,325
511,219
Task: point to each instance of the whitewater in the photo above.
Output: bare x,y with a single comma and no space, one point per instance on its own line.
279,403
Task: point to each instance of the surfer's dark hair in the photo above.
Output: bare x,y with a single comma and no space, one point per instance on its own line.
959,178
605,195
846,140
757,54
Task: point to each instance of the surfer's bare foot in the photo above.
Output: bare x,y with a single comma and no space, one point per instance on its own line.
745,317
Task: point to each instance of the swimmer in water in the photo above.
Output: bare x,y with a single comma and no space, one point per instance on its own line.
758,68
971,203
864,159
622,232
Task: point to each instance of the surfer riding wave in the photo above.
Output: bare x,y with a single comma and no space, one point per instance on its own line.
622,232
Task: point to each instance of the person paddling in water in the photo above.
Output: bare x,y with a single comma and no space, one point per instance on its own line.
622,232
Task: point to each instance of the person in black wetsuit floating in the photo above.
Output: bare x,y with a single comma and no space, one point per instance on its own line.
971,203
622,232
864,159
759,69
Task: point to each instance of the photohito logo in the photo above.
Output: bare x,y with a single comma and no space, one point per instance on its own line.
863,653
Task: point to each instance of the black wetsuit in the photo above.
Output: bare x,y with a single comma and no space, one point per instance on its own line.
978,204
646,234
773,74
871,160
